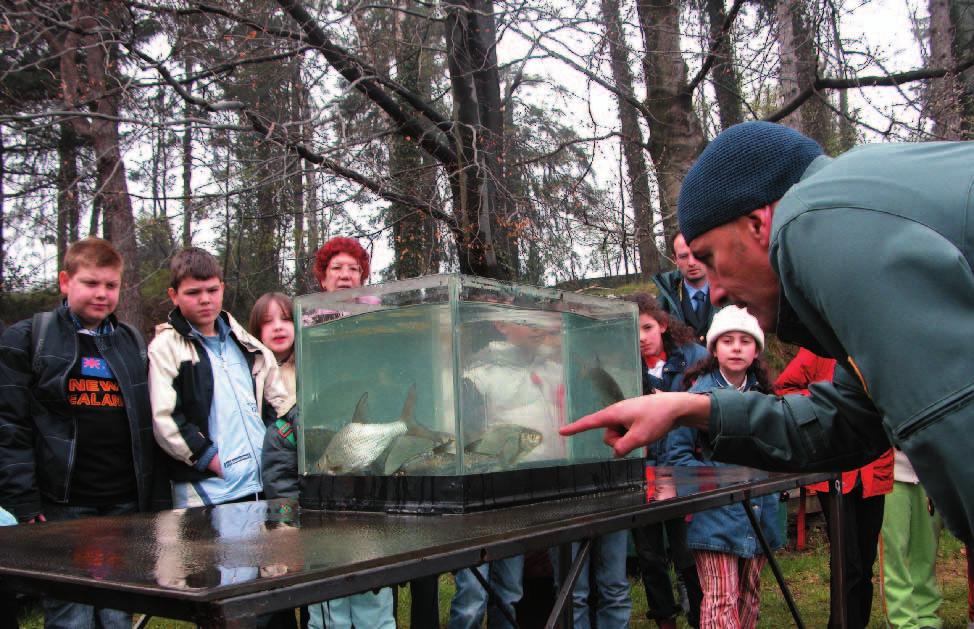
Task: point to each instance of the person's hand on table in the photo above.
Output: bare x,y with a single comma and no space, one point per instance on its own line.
639,421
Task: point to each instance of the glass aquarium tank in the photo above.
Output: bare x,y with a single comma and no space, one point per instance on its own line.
445,394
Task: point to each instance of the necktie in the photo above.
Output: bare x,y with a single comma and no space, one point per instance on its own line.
698,299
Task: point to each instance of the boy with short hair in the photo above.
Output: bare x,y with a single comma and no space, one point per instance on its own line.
214,388
75,423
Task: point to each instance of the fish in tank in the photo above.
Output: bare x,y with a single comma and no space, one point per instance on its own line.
454,376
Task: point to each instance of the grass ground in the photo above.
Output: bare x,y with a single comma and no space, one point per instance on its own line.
807,574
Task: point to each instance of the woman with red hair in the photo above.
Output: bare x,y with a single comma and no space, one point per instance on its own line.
341,263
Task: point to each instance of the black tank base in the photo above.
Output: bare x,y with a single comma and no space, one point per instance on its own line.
473,492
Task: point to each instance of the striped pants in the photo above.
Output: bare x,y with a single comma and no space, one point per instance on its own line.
731,589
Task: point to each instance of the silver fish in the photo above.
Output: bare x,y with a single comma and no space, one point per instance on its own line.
416,456
504,442
498,448
359,444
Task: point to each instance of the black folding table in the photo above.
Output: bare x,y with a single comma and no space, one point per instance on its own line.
221,566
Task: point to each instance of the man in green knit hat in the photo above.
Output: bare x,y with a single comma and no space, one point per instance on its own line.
865,258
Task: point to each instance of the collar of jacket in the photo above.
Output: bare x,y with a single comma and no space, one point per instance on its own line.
790,329
669,280
670,285
183,327
243,338
749,383
107,326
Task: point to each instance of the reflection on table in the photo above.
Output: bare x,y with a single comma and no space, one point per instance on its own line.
210,553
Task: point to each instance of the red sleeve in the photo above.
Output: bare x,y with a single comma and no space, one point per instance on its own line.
802,371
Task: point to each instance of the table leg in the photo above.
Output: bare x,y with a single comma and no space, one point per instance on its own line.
775,568
836,553
568,571
492,598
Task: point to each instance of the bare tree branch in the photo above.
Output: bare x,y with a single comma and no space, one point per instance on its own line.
629,98
715,45
889,80
366,80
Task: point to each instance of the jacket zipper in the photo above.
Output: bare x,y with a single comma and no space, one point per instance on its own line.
936,414
74,418
134,431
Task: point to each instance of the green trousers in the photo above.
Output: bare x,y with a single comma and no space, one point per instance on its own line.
909,555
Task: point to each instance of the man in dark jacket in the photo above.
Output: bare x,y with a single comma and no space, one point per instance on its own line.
75,424
685,293
866,258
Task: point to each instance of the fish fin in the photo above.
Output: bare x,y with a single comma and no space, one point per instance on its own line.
509,452
408,414
361,408
408,417
606,385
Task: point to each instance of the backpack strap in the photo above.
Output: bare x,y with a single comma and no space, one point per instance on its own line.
40,326
139,340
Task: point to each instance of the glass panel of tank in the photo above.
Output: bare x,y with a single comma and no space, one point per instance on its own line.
452,375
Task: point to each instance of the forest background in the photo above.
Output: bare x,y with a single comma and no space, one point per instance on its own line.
526,140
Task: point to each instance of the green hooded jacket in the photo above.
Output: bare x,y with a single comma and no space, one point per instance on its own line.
874,254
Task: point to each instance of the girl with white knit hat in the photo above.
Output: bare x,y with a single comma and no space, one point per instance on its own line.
725,547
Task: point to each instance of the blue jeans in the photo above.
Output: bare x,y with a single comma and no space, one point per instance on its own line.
506,578
59,614
372,610
614,604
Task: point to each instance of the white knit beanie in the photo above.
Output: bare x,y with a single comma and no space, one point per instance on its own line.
734,319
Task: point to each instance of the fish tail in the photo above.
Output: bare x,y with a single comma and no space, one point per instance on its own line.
408,416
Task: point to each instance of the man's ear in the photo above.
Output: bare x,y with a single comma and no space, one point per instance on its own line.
172,295
759,224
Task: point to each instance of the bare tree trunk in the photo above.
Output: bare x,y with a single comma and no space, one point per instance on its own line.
263,243
187,154
727,82
299,112
313,238
847,130
95,218
113,186
226,206
118,216
799,69
632,143
467,147
951,100
414,235
486,248
676,136
3,242
962,12
788,65
68,201
94,29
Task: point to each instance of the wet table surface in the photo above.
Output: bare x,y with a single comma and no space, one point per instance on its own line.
187,563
